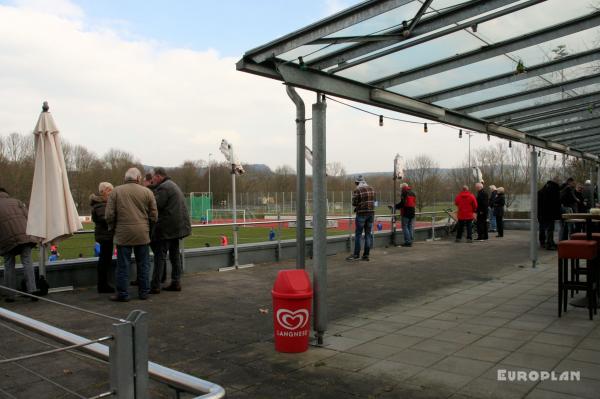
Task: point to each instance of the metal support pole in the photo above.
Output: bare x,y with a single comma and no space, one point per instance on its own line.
393,238
42,262
319,217
235,227
533,225
121,362
350,247
597,183
300,178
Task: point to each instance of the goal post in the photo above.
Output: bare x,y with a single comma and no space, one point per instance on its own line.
227,214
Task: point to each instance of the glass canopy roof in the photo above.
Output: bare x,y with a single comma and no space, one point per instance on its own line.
526,70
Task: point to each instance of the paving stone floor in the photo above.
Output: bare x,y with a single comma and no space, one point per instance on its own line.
438,320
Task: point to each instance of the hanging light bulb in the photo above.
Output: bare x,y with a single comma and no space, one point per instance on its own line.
555,157
460,134
380,120
539,153
474,27
509,144
425,128
488,137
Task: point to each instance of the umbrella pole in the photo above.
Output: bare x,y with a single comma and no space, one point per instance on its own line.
42,262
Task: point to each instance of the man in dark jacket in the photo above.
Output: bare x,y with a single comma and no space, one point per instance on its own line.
482,212
407,204
549,210
14,241
103,236
172,225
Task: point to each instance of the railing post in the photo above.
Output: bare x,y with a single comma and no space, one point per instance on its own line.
279,234
139,321
121,362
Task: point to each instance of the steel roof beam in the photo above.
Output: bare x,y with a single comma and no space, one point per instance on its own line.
486,52
574,134
322,82
565,127
547,107
430,24
529,94
580,114
582,141
327,26
542,115
510,77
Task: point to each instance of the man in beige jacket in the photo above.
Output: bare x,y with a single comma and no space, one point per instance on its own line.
130,211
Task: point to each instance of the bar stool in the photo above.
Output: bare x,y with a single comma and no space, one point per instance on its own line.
576,267
577,250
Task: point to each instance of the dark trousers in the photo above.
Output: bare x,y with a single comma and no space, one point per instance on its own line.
461,226
482,231
546,234
500,225
104,263
171,247
159,268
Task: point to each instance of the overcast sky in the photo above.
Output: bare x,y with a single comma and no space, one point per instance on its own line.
157,79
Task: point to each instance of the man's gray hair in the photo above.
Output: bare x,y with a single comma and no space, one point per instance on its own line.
103,186
478,186
133,174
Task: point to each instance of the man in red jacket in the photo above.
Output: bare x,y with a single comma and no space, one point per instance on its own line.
466,205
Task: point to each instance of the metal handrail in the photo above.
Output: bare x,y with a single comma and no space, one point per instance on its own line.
282,220
174,378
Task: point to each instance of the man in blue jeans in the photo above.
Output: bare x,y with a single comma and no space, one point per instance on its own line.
363,200
130,210
408,201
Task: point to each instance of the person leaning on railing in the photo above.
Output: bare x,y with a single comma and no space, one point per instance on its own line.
14,241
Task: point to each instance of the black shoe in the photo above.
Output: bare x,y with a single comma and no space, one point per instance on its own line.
155,291
500,236
116,298
406,244
106,290
352,258
365,258
173,287
458,240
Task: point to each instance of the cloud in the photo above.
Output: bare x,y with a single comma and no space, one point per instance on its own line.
166,105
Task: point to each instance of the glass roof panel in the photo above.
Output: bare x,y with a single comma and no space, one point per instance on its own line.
412,57
531,19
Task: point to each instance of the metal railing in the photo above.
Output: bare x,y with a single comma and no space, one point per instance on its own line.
127,355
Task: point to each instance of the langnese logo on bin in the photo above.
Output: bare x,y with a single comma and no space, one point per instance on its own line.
292,320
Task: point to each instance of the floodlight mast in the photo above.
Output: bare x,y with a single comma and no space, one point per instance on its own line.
227,150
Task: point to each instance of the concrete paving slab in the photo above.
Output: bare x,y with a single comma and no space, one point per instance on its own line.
416,357
463,366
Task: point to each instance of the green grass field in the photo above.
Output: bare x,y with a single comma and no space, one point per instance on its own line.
82,245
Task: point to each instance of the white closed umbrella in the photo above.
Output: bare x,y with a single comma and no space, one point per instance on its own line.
52,212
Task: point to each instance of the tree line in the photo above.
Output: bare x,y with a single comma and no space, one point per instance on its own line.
500,164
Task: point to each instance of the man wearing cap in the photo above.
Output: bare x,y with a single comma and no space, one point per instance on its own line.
363,200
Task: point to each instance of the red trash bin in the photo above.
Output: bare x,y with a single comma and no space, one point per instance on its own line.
292,303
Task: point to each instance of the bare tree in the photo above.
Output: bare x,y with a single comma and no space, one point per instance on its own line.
423,172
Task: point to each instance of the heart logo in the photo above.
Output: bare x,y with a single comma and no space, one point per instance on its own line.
292,320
